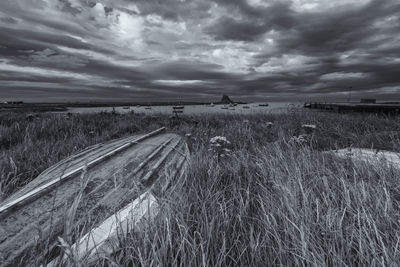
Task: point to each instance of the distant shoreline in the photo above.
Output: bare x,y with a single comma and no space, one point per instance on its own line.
48,107
44,107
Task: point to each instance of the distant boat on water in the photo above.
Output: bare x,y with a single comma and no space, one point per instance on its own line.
212,104
147,108
263,105
126,107
246,107
177,109
224,107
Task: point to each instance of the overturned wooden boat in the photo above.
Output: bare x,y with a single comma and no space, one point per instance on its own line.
373,157
79,194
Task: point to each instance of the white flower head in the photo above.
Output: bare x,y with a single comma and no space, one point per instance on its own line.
219,145
219,139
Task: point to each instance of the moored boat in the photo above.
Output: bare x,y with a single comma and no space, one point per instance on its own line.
178,107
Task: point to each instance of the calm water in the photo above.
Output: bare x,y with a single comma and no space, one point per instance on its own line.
254,108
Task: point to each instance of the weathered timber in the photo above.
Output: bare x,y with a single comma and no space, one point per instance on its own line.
355,107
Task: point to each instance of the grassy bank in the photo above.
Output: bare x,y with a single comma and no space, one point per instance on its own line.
269,202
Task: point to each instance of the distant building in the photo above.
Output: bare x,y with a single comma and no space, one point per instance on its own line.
368,100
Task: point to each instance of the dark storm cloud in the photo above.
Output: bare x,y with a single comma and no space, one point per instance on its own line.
341,31
230,29
9,20
19,39
330,36
175,9
168,49
187,70
252,22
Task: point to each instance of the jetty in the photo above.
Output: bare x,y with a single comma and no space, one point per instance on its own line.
388,108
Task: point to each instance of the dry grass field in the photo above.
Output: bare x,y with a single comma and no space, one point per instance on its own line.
267,201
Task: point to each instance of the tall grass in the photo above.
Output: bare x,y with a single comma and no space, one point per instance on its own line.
273,203
281,206
270,202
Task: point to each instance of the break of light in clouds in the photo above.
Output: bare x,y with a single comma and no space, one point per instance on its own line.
113,50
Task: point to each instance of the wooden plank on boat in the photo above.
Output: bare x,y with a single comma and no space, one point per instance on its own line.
103,239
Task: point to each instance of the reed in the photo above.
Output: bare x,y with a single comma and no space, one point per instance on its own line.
268,202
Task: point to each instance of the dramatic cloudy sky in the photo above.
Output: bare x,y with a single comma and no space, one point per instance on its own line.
138,50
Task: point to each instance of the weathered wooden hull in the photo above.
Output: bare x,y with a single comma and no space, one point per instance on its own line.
87,198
